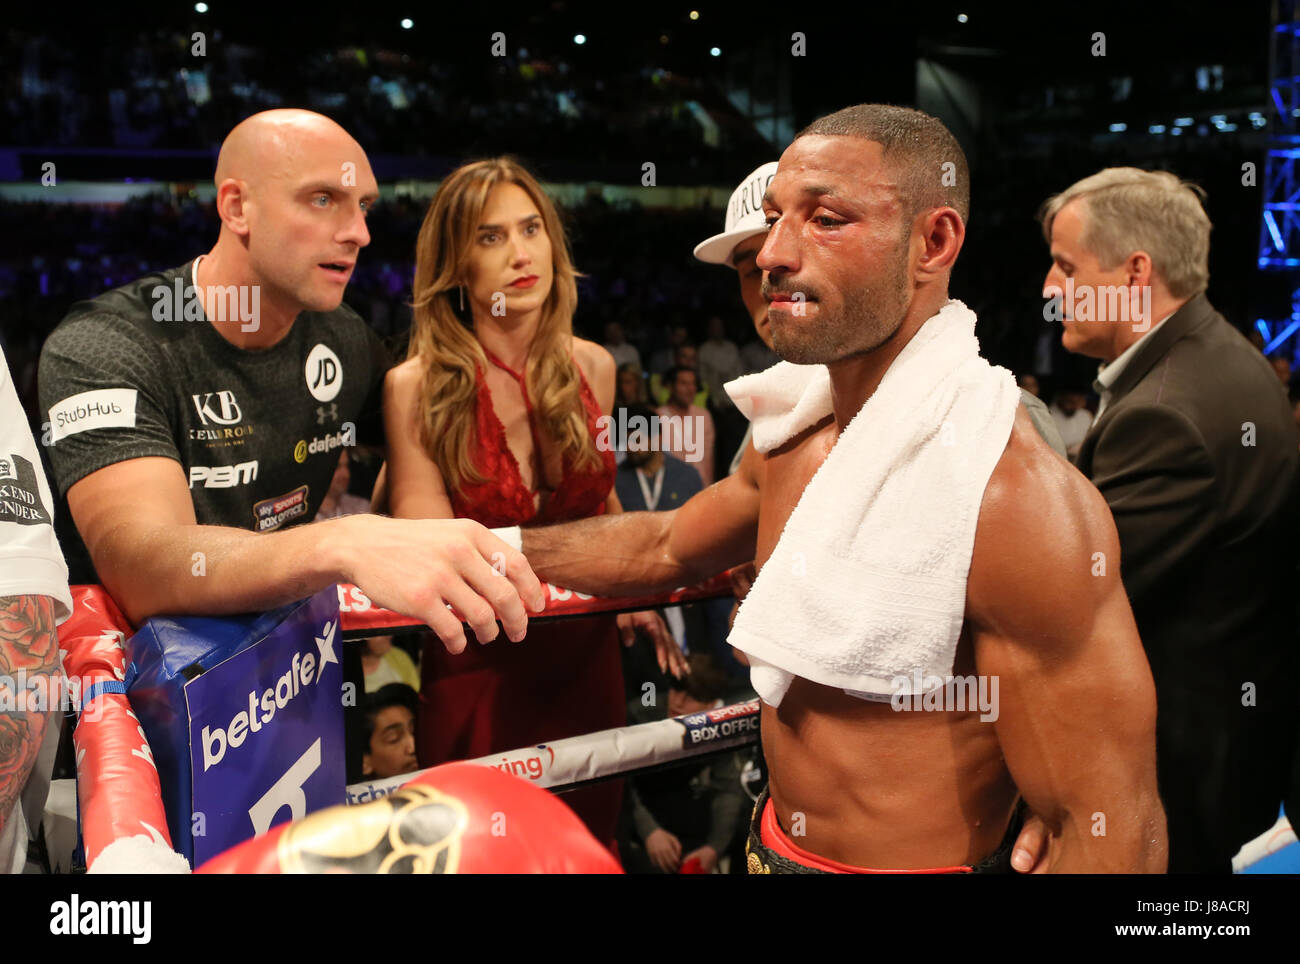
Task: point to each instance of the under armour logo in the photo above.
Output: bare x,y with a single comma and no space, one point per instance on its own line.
322,414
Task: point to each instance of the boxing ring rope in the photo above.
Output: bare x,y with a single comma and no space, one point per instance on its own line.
608,754
118,790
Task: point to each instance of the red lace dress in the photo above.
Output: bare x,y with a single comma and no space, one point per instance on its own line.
566,677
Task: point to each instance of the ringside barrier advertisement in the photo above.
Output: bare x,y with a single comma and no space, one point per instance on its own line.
245,717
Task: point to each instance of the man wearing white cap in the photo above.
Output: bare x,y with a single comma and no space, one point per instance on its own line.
737,246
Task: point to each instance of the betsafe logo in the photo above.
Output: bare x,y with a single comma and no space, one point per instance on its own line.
303,670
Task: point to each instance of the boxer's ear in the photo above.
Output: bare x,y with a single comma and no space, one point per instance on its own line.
942,233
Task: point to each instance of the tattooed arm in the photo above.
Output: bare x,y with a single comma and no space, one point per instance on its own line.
28,642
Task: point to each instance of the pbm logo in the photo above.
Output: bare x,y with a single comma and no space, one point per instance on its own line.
218,407
324,374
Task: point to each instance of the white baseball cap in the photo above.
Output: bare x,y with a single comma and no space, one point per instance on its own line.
744,217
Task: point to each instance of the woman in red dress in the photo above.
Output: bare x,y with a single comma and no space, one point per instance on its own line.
492,417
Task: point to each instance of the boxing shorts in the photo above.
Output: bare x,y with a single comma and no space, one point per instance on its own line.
770,851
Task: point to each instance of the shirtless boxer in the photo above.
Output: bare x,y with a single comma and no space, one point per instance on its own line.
861,228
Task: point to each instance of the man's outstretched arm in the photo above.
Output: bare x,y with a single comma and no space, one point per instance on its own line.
1076,700
138,523
640,552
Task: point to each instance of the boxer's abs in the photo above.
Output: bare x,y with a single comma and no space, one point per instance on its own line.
858,781
877,787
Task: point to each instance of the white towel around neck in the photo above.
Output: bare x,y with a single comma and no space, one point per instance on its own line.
866,587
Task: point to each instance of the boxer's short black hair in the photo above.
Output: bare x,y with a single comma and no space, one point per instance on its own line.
918,145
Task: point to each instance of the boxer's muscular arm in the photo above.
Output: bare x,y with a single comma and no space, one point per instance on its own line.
139,526
1076,700
637,552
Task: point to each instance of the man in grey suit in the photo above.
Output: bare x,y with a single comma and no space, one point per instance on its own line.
1194,450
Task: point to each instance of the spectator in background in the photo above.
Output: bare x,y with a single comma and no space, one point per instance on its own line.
629,389
649,480
719,360
686,813
719,364
338,501
1256,338
617,345
1194,450
756,355
1028,383
383,663
684,356
386,732
665,358
689,433
629,385
1071,418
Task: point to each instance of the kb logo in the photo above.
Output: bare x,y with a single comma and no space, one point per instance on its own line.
324,374
217,407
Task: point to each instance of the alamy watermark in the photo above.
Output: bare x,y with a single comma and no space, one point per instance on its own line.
939,694
46,692
682,434
1125,304
181,302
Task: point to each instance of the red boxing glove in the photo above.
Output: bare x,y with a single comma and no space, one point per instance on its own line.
459,818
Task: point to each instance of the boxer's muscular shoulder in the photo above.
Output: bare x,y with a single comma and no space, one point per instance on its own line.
1041,527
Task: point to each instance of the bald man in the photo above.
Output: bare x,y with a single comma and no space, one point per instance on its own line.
196,415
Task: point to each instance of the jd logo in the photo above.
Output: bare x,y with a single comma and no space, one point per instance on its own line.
218,407
324,374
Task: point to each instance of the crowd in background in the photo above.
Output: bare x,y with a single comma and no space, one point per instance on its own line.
152,91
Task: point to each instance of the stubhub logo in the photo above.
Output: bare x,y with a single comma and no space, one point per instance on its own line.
303,670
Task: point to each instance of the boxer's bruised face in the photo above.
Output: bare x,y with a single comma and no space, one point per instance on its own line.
306,209
392,744
751,285
509,261
836,237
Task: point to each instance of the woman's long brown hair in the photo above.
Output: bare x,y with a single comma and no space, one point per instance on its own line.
444,338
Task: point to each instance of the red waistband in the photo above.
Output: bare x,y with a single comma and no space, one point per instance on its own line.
774,839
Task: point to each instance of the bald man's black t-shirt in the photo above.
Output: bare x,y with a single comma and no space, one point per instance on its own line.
257,433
